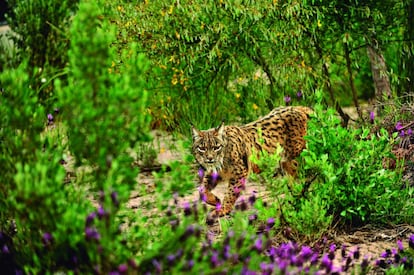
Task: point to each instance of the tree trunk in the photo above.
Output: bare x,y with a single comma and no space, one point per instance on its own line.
380,77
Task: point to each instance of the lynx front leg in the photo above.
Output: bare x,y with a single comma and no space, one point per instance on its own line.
209,182
232,193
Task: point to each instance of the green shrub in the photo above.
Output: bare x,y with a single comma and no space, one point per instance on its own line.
40,35
350,172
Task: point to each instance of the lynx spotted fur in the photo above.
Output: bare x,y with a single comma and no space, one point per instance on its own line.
224,152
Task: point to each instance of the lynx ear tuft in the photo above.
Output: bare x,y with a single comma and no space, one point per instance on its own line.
195,132
220,129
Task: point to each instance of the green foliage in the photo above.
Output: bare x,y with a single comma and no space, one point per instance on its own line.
305,215
350,173
39,31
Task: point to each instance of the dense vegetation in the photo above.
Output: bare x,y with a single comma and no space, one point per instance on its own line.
83,83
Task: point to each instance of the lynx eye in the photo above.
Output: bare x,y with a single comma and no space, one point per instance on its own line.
201,149
217,148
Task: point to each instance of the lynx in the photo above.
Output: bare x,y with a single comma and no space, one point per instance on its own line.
224,152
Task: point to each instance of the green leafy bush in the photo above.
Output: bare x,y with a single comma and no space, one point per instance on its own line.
40,35
349,164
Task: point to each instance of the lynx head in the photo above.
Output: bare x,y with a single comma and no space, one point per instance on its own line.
208,147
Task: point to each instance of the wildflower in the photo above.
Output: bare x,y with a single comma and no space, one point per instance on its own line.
200,173
92,234
203,197
187,208
49,119
287,99
306,252
371,116
252,199
5,249
218,206
386,253
411,241
364,264
90,218
132,263
123,268
226,252
270,223
332,249
214,259
356,253
343,251
47,238
101,212
190,264
157,265
170,259
398,126
252,218
243,183
214,177
409,132
400,245
402,133
299,94
326,263
114,198
258,245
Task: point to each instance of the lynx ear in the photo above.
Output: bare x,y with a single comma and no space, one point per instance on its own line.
220,130
195,132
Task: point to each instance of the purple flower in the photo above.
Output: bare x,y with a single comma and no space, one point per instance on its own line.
170,258
356,253
90,218
306,252
332,249
132,263
114,198
47,238
299,94
190,264
287,99
218,206
92,234
371,116
187,208
411,241
200,173
326,263
409,132
157,265
49,119
214,176
398,126
400,245
270,222
402,133
214,259
258,244
123,268
101,212
5,249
